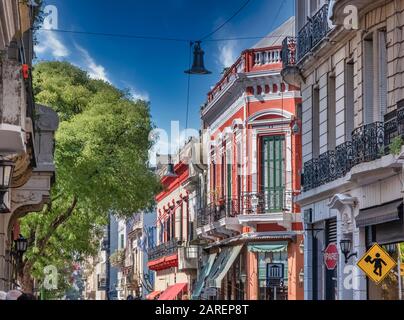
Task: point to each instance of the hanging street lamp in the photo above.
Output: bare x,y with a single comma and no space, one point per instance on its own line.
198,66
170,170
6,174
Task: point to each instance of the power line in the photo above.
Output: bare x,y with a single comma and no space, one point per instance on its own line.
227,21
189,85
117,35
143,37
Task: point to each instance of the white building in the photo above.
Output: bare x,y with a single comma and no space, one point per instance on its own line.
347,58
135,236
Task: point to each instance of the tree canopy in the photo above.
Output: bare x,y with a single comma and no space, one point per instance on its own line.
101,159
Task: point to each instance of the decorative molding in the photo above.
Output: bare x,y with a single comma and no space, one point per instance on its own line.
345,205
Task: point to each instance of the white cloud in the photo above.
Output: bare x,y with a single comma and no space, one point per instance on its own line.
137,95
227,54
50,43
95,71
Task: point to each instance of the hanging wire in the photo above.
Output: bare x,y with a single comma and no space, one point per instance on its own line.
117,35
189,84
226,22
144,37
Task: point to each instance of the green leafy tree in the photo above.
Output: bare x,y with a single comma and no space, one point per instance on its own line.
102,165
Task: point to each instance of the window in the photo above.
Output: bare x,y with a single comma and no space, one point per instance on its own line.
316,122
122,241
301,14
331,122
375,77
349,99
272,171
229,175
368,80
382,74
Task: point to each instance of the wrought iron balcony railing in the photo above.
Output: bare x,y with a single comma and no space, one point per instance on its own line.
369,142
164,250
213,212
269,201
315,30
289,51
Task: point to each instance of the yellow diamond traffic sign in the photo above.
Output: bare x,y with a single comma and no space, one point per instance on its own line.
376,263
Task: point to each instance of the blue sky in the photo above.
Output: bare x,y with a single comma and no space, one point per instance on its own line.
154,69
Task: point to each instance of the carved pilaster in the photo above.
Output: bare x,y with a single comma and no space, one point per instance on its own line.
345,204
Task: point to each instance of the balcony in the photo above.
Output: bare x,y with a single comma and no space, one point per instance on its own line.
369,143
294,49
215,212
315,30
289,51
219,219
173,253
163,250
270,206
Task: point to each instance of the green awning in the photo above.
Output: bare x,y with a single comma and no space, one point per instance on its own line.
222,265
273,247
202,277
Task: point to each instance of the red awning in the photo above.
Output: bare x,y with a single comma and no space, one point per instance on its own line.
153,295
164,263
174,291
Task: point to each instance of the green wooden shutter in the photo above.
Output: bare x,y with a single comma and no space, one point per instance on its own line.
272,172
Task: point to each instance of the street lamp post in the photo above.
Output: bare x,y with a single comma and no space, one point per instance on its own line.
346,249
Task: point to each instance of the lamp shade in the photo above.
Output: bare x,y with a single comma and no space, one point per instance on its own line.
21,244
346,246
6,173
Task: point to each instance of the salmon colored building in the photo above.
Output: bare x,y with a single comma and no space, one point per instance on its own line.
248,220
174,258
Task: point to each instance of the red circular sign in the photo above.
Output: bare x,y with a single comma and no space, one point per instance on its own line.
331,256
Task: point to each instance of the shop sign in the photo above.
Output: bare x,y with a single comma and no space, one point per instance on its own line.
275,274
376,263
331,256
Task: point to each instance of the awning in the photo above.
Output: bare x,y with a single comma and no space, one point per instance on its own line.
202,277
171,293
163,263
222,265
153,295
378,215
278,236
273,247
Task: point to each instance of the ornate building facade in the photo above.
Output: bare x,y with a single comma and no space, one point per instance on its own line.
26,133
247,218
347,59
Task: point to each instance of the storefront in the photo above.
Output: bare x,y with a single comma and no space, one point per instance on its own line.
384,225
272,270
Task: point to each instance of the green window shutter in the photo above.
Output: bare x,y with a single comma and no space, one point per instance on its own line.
272,172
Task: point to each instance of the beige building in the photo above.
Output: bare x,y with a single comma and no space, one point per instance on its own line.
26,133
347,58
95,274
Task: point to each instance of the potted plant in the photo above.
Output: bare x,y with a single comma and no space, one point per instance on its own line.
117,259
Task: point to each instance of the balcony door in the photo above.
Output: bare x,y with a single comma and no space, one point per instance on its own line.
273,172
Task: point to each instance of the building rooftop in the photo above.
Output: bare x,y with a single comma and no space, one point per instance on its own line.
276,37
